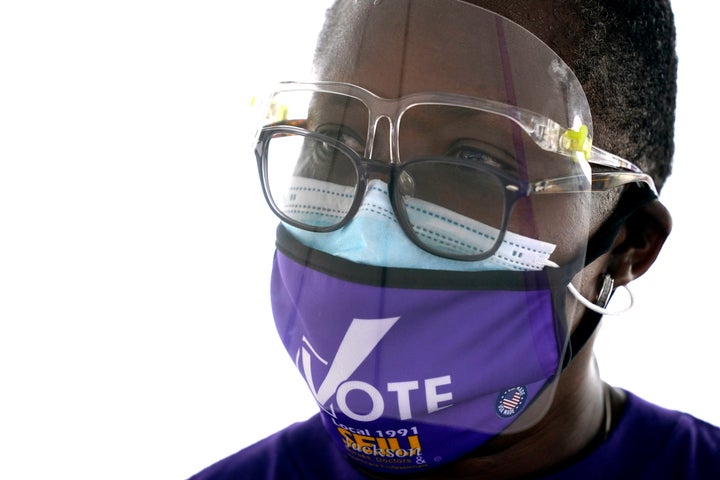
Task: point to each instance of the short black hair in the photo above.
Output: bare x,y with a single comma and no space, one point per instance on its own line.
627,64
623,53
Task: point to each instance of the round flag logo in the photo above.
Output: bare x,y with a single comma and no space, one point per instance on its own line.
510,402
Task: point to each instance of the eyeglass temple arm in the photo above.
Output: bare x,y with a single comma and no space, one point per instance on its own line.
599,182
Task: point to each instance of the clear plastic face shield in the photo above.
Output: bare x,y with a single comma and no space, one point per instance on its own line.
432,136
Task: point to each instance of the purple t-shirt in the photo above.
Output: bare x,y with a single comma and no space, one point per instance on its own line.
649,442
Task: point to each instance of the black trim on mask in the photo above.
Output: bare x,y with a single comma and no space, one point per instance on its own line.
393,277
634,198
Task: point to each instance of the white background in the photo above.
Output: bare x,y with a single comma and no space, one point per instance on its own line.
135,334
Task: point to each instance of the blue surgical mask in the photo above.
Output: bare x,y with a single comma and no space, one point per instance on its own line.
374,237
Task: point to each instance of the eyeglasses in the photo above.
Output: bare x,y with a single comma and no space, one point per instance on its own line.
448,163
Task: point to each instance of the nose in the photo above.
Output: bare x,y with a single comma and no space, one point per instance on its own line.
381,141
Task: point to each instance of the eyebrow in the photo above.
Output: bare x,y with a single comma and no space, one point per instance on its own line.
438,112
335,99
341,109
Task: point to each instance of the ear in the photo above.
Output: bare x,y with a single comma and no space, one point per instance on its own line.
639,242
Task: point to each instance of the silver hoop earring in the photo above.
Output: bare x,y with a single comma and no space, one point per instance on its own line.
603,299
606,290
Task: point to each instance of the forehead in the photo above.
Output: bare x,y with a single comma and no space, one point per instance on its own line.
400,51
400,47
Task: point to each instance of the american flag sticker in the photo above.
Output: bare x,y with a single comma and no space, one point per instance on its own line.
510,402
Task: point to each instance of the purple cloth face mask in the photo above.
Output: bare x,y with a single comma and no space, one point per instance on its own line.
413,369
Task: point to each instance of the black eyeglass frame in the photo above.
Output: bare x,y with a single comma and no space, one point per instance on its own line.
366,169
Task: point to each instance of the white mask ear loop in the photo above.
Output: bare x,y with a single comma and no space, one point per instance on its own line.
603,297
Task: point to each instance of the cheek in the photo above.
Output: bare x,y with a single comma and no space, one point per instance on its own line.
563,220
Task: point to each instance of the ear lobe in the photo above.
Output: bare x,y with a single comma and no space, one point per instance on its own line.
639,242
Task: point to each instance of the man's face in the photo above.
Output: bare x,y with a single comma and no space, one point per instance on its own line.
407,83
